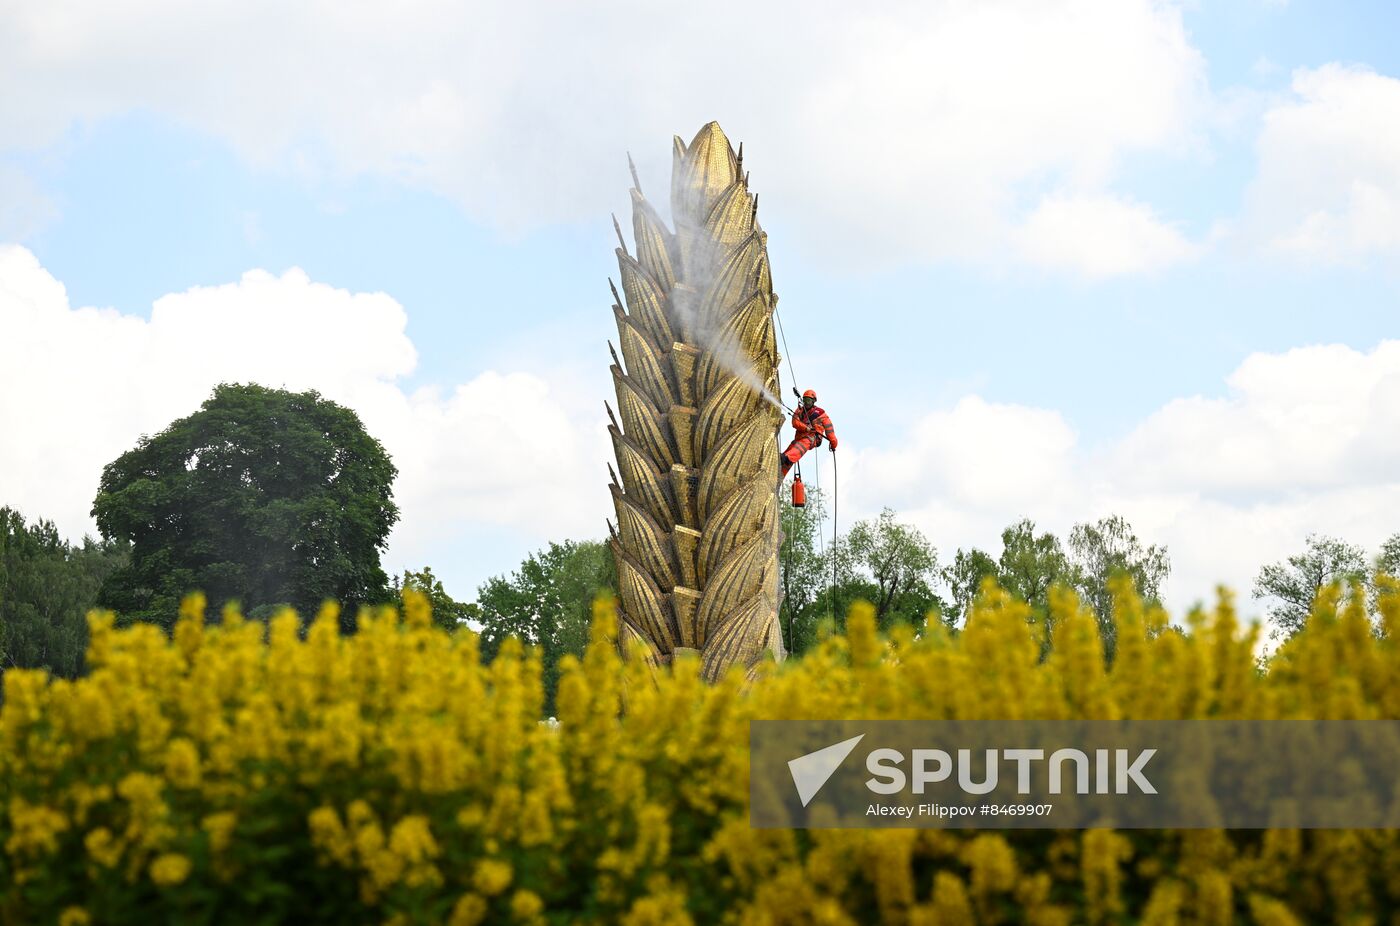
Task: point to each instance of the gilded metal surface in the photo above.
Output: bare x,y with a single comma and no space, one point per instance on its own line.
722,411
697,537
752,324
750,451
742,639
641,480
687,545
648,542
682,418
644,362
739,577
649,232
641,421
749,510
643,603
645,300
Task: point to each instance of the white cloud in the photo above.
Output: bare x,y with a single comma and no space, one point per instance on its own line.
977,455
890,132
80,385
1312,418
1306,440
1101,236
1303,441
1328,182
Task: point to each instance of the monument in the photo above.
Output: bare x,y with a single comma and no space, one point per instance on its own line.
696,425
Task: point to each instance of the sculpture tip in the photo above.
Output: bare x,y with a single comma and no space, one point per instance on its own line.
620,240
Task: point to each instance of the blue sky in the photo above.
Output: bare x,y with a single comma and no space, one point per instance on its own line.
910,284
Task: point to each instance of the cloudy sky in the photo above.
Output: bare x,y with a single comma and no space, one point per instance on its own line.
1041,258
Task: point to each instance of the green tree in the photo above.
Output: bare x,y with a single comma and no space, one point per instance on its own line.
265,496
1031,564
1387,563
548,603
1104,549
47,586
1388,560
448,613
964,578
805,568
893,565
1292,585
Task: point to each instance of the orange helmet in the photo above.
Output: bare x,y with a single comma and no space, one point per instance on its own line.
810,394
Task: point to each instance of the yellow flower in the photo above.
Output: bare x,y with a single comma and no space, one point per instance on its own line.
470,910
416,609
83,797
189,629
36,829
219,827
411,751
182,767
993,867
146,825
526,905
1104,853
1271,912
662,905
103,847
328,835
74,916
170,869
492,876
950,901
412,842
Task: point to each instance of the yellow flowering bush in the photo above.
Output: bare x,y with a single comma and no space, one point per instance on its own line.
242,772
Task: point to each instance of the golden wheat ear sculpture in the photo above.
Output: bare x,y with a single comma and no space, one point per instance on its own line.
695,430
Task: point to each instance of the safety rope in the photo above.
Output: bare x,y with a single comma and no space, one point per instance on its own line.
816,462
835,511
787,541
821,538
784,553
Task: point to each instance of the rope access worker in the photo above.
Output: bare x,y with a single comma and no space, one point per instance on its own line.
812,424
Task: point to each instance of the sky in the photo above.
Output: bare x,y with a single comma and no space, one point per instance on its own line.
1052,259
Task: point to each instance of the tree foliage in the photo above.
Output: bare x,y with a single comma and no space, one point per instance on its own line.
880,560
448,613
1106,548
805,569
1031,564
547,602
265,496
964,577
1292,585
1388,559
893,566
47,586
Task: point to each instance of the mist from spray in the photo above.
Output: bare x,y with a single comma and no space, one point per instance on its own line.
699,260
703,262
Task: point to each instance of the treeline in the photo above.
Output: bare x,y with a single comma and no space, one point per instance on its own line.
47,586
1291,585
894,566
273,499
